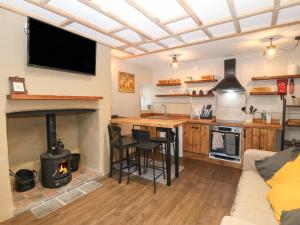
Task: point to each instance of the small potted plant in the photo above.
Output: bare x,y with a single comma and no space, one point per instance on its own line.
249,115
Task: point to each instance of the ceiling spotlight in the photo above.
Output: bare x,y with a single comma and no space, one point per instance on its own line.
174,63
271,50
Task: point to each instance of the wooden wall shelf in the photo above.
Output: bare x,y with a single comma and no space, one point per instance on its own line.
276,77
199,81
293,122
292,106
203,96
289,143
184,95
172,95
51,97
263,93
162,85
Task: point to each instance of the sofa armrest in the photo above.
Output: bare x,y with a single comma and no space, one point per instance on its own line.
229,220
252,155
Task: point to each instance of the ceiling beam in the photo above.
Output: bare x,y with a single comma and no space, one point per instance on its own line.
175,19
115,18
44,2
66,23
85,23
220,38
155,20
193,15
233,13
275,12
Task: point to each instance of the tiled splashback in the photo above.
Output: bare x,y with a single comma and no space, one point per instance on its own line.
172,108
229,106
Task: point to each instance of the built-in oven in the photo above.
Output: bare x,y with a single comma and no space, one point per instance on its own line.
225,143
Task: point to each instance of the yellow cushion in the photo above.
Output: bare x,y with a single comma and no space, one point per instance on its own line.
289,172
284,197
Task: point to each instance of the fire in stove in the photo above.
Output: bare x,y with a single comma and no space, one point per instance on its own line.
63,168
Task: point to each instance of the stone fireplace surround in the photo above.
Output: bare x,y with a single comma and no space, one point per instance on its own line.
86,130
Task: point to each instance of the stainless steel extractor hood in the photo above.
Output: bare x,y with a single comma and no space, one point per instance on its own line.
230,82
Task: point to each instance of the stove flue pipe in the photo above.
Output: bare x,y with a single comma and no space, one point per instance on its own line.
51,131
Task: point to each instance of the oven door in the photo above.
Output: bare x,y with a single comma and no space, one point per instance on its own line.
232,144
225,143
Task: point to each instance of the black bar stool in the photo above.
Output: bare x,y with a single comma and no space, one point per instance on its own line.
164,140
120,143
147,146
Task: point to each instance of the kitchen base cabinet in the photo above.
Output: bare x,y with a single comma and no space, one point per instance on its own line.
196,138
260,138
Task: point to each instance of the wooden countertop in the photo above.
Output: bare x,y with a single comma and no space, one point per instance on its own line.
150,122
185,119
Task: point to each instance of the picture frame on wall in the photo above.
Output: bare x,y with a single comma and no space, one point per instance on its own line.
126,82
17,85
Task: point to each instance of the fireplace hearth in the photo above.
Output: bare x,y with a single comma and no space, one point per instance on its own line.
56,162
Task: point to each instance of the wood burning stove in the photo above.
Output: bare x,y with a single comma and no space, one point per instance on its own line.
56,162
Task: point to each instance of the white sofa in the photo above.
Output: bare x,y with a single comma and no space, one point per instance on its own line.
251,206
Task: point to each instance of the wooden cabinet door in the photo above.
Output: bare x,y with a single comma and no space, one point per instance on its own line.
196,138
204,139
259,138
187,138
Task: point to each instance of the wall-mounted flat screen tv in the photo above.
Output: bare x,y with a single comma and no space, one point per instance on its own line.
54,48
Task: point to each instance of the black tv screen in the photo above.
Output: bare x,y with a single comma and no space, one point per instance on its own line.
51,47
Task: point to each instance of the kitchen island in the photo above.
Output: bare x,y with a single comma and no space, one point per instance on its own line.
164,123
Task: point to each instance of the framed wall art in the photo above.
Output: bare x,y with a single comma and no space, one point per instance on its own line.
126,82
17,85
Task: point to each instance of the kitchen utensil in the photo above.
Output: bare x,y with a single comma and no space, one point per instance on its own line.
194,92
251,109
24,179
201,92
244,110
268,117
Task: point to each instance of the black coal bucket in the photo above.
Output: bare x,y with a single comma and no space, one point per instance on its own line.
75,161
24,179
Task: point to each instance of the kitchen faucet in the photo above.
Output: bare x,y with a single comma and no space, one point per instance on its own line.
165,107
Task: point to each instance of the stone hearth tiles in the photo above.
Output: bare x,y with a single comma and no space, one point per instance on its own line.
90,186
53,204
71,196
46,208
24,201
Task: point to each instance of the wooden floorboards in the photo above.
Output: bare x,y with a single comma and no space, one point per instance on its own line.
202,195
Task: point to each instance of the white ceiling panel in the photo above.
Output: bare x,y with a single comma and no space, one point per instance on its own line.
85,31
151,46
134,51
210,10
33,10
289,14
132,16
254,22
222,29
246,6
182,25
157,8
119,54
85,13
171,42
129,35
194,36
287,2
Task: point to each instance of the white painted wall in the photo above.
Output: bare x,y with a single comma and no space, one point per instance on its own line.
247,66
13,47
128,104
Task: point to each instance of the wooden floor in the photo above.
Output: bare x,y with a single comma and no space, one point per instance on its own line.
203,194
